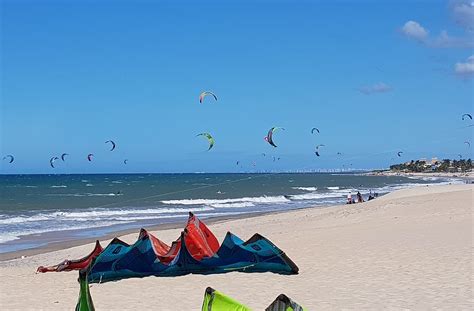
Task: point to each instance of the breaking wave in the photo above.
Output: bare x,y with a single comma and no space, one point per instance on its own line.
305,188
233,205
15,235
315,196
91,214
258,200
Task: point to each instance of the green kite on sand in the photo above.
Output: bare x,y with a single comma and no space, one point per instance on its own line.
84,302
216,301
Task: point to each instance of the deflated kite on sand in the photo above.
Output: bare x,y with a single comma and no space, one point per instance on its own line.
217,301
69,265
197,250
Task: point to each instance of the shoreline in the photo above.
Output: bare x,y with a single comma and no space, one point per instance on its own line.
175,224
55,246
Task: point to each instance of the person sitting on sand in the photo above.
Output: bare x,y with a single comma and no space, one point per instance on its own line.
349,199
360,199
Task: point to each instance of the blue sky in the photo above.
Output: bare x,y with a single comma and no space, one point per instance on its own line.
374,77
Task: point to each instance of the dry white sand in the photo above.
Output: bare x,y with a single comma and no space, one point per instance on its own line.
409,249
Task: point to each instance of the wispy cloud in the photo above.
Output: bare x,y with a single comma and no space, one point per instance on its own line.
379,87
463,13
465,69
444,40
414,30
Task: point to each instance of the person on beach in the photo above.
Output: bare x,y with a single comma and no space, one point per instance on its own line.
360,199
349,199
371,197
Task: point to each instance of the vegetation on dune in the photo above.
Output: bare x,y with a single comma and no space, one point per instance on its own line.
446,165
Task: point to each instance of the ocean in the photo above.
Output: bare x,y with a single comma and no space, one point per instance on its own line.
36,210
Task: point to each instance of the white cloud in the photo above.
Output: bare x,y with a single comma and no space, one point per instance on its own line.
375,88
463,13
414,30
465,69
444,40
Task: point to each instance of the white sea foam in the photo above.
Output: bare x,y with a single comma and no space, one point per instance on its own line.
305,188
259,200
87,215
14,235
315,196
332,188
60,186
137,218
23,219
233,205
8,236
344,191
121,212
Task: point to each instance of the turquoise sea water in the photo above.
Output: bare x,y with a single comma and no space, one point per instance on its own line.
36,206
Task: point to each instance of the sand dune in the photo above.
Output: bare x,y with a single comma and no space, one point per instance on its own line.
408,249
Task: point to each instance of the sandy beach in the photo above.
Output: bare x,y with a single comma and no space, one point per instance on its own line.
409,249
